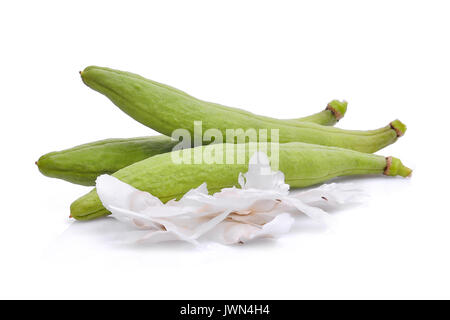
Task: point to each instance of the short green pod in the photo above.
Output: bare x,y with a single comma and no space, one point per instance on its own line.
84,163
166,109
170,175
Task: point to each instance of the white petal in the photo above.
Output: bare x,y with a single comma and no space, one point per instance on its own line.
139,220
281,224
112,191
334,194
257,219
312,212
260,175
231,232
236,232
260,208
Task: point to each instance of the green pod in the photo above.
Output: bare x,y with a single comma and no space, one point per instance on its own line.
166,109
334,111
83,164
303,165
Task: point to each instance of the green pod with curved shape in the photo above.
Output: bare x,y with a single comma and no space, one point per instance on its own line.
334,111
84,163
170,175
166,109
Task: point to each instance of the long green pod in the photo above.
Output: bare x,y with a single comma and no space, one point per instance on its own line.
84,163
166,109
334,111
167,177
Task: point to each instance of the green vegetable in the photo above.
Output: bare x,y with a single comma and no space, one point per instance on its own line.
83,164
166,109
302,164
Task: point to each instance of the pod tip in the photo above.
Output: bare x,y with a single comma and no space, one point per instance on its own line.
394,167
38,163
399,127
338,108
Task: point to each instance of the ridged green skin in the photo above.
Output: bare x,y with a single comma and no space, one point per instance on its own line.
83,164
302,164
166,109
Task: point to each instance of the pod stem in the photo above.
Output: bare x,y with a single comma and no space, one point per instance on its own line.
334,111
399,127
394,167
338,108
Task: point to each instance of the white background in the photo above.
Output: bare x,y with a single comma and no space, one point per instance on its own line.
388,59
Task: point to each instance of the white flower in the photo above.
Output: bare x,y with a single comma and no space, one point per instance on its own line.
262,207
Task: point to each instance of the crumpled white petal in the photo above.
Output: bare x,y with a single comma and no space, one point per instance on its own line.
261,208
